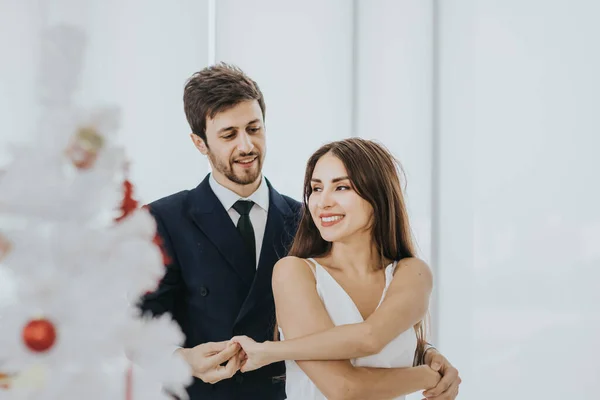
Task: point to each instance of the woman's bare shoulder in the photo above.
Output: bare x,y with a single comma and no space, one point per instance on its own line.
290,268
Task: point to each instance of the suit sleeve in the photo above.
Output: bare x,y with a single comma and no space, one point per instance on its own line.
168,294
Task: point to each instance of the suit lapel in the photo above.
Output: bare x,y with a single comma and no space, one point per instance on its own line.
280,220
212,219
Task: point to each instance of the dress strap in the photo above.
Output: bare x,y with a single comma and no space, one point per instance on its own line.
312,264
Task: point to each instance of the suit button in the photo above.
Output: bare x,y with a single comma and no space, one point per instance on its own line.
203,291
239,378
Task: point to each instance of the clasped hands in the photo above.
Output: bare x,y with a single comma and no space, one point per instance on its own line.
215,361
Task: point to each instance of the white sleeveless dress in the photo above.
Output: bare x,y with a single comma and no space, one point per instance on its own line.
398,353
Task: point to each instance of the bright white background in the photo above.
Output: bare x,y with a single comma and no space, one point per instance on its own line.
490,105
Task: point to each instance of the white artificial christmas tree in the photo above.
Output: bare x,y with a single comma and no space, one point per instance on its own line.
77,258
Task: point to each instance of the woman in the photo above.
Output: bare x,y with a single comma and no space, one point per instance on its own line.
350,289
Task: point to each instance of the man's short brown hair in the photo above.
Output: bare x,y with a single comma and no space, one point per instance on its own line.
215,89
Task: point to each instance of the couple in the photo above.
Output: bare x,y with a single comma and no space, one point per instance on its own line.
349,299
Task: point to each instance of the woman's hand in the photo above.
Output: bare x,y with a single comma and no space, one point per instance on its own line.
257,354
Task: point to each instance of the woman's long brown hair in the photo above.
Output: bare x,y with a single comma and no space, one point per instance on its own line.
375,175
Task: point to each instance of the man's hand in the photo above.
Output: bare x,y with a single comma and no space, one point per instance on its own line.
206,359
447,388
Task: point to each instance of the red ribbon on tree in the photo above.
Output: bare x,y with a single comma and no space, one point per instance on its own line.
129,204
129,383
159,242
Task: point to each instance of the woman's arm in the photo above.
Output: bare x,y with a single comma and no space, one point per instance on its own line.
301,312
405,303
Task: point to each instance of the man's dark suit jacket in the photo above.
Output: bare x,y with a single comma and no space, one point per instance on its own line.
207,288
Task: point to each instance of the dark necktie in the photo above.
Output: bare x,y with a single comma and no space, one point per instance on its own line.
244,227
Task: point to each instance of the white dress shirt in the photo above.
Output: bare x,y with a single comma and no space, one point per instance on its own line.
258,213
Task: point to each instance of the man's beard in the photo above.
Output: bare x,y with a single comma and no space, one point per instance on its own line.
226,168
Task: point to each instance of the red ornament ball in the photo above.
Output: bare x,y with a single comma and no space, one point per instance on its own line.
39,335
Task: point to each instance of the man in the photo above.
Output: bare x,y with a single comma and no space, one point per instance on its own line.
223,239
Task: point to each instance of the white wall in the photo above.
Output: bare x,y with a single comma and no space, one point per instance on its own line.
520,225
453,218
300,54
393,104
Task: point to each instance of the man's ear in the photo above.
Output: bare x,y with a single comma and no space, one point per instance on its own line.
199,143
